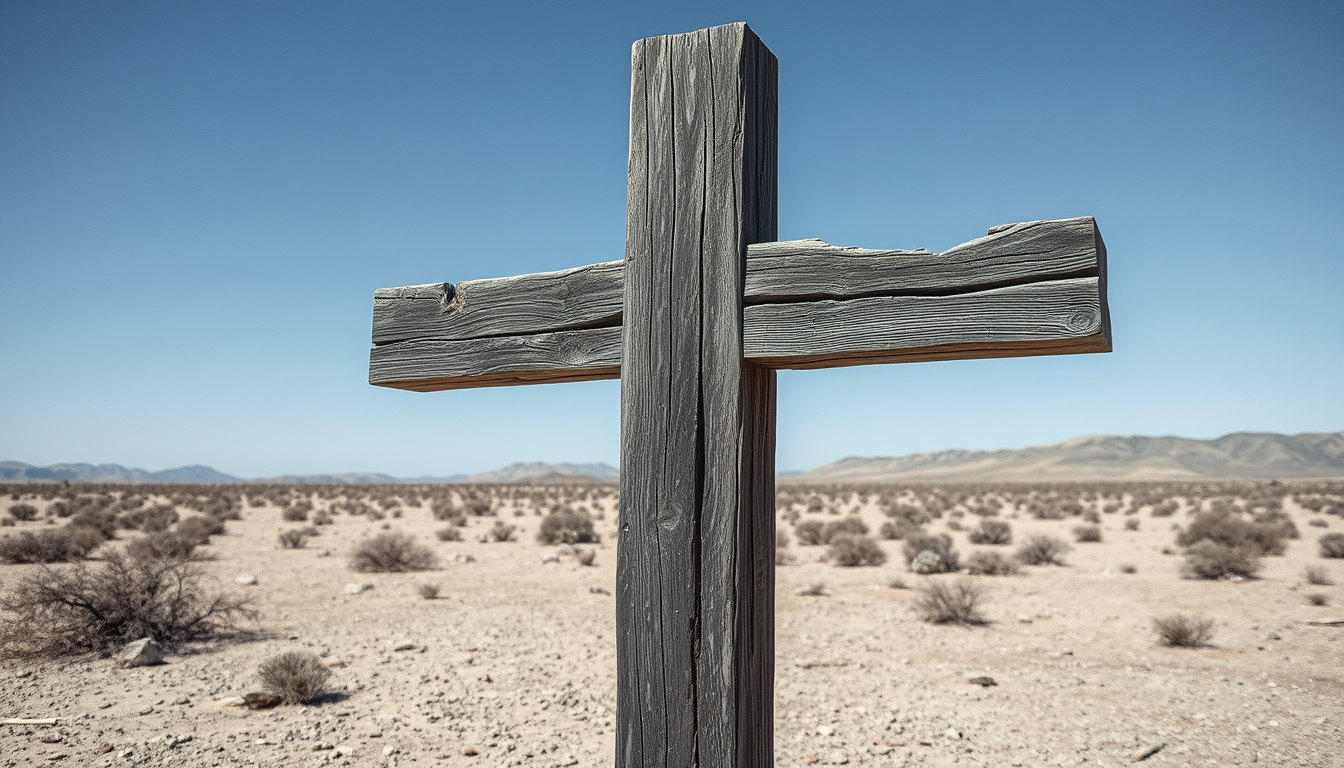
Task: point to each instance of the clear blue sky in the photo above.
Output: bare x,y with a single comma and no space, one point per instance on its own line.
197,201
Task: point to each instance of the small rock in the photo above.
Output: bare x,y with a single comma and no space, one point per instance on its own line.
104,749
345,750
246,579
322,746
389,750
983,680
1274,636
1024,618
567,549
355,587
470,752
811,590
335,663
550,557
1149,752
231,701
463,557
952,733
260,700
596,590
181,701
404,645
825,730
146,711
50,738
838,757
141,653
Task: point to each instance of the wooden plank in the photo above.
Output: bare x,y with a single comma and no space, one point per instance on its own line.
584,297
431,365
1055,317
697,193
1013,254
798,270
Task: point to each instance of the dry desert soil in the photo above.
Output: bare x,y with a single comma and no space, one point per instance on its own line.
514,663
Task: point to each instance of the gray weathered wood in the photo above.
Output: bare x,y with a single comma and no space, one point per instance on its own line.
1050,318
690,636
798,270
584,297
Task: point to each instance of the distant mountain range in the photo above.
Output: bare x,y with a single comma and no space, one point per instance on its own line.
1238,456
528,472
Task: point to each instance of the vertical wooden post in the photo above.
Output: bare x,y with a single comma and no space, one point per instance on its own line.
695,588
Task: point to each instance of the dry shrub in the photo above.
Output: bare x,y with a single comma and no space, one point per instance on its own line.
295,676
1087,534
294,538
931,553
1318,598
1181,631
992,564
996,532
849,550
896,582
1332,545
1132,524
449,534
1317,576
1040,549
392,552
295,514
200,528
53,545
1209,560
781,539
849,526
23,512
54,612
155,519
102,521
164,545
566,526
1229,529
428,591
322,518
1128,568
809,532
502,532
898,528
956,601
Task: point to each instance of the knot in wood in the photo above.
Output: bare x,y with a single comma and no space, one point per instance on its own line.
1082,321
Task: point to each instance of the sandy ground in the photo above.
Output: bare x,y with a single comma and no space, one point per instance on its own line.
515,663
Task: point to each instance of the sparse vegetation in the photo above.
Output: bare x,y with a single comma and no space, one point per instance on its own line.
66,610
992,564
991,531
23,512
951,601
449,534
296,677
1317,576
392,552
1181,631
294,538
1318,598
1210,560
1230,530
427,591
1089,534
809,532
567,526
849,550
502,531
927,553
52,545
1040,549
1332,545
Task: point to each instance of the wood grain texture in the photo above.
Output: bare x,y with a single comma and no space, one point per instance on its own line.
697,175
1014,254
432,365
777,272
584,297
1054,317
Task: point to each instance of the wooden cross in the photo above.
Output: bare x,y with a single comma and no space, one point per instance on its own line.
695,321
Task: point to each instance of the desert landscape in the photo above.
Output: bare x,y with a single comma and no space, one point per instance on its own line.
932,649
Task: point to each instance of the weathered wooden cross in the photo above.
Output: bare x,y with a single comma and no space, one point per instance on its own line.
695,321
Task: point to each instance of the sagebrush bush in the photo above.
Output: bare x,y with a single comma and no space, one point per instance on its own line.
199,528
1182,631
931,553
992,564
59,611
1318,598
449,534
1210,560
1332,545
567,526
809,531
296,677
1317,576
849,526
295,514
1040,549
954,601
501,532
849,550
898,528
1132,524
392,552
52,545
1229,529
428,591
23,512
996,532
294,538
155,519
164,545
1087,534
100,520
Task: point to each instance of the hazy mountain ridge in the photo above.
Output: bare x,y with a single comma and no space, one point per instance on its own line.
17,471
1237,456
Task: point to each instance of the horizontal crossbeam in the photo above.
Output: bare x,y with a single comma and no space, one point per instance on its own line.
1025,289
